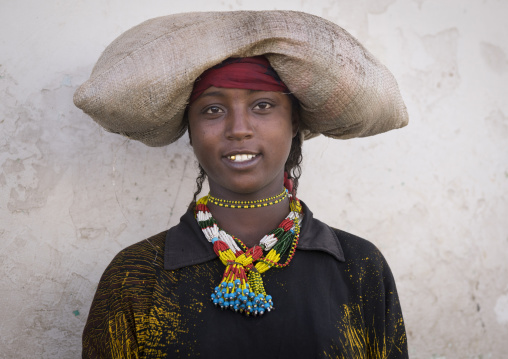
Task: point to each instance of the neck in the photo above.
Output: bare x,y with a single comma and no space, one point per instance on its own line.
250,225
243,204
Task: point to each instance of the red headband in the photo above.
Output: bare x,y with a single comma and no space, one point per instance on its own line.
251,73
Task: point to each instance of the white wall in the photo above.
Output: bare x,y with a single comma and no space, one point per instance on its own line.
432,196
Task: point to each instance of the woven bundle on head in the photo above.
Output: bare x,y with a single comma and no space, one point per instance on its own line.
141,84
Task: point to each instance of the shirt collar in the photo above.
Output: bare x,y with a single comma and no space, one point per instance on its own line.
186,245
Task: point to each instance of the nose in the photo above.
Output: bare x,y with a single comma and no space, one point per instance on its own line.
239,125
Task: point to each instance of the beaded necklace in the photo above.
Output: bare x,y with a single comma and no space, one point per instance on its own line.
241,288
249,204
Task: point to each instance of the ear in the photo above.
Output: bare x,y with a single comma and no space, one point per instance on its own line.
295,121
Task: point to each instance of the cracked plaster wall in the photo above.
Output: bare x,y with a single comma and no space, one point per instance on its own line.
433,196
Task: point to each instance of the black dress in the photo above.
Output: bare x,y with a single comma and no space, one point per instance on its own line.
336,299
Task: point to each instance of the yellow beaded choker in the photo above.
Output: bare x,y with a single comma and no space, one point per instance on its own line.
249,204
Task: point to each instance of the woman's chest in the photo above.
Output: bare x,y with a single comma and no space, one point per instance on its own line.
316,315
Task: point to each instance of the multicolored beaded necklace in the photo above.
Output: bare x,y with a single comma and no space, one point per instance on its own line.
249,204
241,288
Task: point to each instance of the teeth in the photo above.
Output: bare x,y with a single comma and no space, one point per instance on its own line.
241,158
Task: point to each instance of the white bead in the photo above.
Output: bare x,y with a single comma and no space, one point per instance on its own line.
229,241
268,241
203,216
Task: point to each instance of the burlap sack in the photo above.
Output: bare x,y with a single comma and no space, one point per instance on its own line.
141,84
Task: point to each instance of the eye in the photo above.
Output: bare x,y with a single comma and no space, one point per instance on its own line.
263,106
213,110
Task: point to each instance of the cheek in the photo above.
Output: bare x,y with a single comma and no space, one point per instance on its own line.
281,140
200,149
197,135
203,146
284,133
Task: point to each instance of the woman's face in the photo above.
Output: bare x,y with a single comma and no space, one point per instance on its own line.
242,139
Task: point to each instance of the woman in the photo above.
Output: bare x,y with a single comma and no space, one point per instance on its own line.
248,272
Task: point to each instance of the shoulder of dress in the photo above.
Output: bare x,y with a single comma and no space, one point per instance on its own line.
358,248
155,242
143,256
